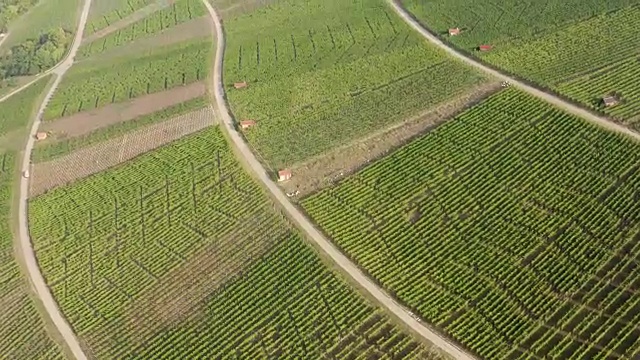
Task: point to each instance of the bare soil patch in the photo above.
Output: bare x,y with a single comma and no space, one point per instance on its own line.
82,163
183,292
135,17
326,169
86,122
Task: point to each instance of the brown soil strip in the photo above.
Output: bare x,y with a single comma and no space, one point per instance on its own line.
324,170
87,161
86,122
135,17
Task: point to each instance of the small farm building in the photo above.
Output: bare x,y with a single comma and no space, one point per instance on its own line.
41,135
609,101
284,175
454,31
240,85
485,47
245,124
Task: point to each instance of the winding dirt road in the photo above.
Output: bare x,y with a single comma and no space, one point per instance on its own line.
550,98
26,247
348,267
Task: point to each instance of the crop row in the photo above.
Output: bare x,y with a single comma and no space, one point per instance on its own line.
619,80
87,89
22,335
52,150
505,22
125,9
573,50
178,254
490,223
179,12
331,72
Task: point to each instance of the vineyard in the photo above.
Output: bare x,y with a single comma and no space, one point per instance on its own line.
16,110
514,229
179,12
105,13
51,150
22,334
325,72
503,22
90,87
585,61
178,253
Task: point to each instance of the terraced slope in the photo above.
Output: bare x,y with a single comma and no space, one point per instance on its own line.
514,229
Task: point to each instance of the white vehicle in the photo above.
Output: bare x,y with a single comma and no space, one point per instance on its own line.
25,174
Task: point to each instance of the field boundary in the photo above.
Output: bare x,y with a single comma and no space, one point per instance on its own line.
344,264
26,246
536,90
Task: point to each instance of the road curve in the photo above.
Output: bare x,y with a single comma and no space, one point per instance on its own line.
26,247
348,267
558,102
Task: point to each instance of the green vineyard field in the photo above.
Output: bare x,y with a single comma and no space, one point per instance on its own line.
514,229
584,61
493,22
22,334
321,73
178,254
179,12
87,88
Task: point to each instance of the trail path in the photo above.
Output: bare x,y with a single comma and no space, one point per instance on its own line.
558,102
26,247
348,267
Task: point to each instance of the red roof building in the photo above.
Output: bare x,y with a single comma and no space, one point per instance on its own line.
485,47
245,124
284,175
454,31
41,135
240,85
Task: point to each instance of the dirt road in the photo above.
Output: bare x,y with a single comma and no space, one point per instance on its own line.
26,247
348,267
556,101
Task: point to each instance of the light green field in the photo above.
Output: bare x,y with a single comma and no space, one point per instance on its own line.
322,73
179,255
513,229
48,14
181,11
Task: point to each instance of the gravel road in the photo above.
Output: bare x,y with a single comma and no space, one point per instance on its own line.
553,99
347,267
26,247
